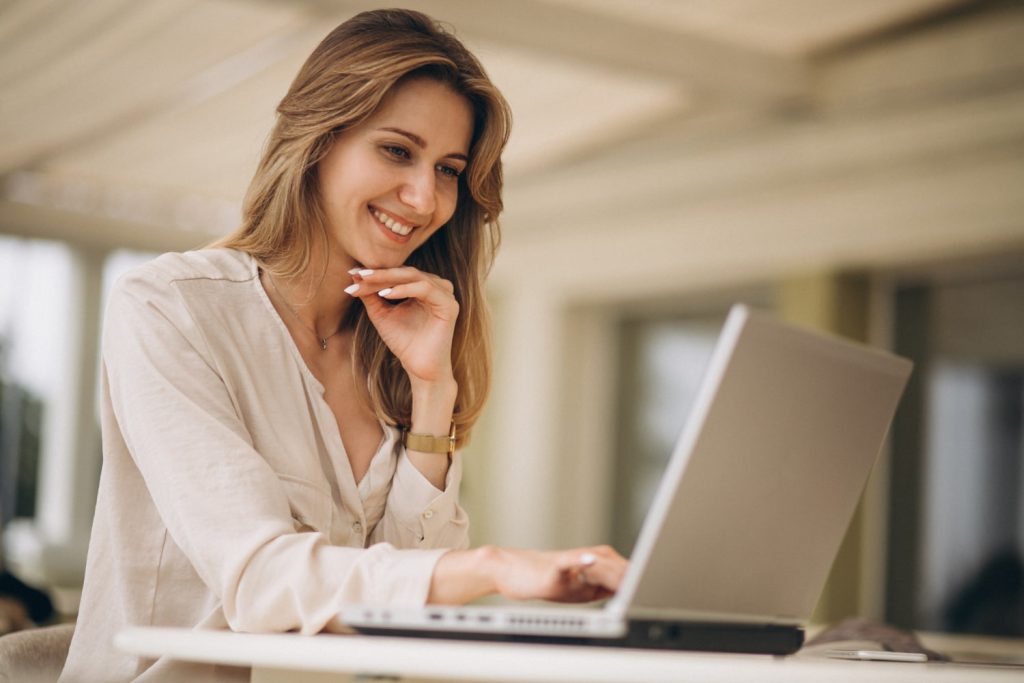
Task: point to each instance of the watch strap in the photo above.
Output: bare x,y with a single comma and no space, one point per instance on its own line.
428,443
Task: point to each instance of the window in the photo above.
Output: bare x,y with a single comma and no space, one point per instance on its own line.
957,490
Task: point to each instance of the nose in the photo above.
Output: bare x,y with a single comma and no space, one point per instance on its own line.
418,191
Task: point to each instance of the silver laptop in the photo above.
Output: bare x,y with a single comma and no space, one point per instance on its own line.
748,517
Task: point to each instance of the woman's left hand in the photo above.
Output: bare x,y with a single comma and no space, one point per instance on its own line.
576,575
419,328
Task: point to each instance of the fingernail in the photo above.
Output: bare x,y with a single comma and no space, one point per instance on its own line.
352,289
587,559
354,271
365,272
385,292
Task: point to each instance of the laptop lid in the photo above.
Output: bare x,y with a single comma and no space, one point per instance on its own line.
765,476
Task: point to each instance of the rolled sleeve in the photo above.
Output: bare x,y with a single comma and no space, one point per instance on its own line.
418,514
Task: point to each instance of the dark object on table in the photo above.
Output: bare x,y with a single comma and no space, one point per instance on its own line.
21,605
992,602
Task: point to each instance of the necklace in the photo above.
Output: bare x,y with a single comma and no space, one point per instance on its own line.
322,340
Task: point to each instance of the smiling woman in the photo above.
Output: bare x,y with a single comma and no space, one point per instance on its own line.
382,179
282,412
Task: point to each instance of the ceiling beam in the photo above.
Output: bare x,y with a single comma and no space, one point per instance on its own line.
690,57
38,147
97,216
878,219
93,232
694,166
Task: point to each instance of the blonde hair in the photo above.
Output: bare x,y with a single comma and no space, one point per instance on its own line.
341,84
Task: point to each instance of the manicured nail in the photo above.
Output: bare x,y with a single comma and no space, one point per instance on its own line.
352,289
385,292
354,271
365,272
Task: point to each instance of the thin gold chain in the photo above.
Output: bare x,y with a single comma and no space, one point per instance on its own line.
320,339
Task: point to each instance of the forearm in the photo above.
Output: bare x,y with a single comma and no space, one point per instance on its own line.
576,575
432,408
461,576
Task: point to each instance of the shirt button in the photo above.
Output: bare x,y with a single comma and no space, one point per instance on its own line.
428,514
357,527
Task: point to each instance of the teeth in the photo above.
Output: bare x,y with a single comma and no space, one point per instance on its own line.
392,225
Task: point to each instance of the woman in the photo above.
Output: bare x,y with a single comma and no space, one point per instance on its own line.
280,412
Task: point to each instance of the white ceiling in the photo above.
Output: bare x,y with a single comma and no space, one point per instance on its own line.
788,27
117,115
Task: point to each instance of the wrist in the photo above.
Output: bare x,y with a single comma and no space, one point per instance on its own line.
461,576
432,407
489,564
432,391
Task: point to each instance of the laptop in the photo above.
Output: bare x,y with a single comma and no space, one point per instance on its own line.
749,514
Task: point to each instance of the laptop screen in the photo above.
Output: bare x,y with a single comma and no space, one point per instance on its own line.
765,476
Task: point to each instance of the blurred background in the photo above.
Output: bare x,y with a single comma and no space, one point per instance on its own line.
857,167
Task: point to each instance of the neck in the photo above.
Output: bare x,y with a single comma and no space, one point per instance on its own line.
316,295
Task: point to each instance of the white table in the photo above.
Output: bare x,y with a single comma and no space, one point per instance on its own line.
293,658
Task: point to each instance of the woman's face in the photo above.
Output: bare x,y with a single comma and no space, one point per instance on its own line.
389,183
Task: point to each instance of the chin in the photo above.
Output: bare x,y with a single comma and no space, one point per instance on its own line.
385,261
376,255
374,258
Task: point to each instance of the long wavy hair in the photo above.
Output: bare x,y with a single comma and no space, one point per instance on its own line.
342,83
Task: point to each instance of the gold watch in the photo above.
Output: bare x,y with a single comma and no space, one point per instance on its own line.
426,443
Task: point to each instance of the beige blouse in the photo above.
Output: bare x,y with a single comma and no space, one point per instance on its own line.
226,499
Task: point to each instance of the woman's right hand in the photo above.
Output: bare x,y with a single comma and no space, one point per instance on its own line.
576,575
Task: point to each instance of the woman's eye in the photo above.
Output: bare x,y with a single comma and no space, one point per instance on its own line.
449,171
396,151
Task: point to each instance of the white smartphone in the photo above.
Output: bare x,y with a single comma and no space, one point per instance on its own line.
877,655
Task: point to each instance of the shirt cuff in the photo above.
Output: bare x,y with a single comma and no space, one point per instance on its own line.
402,577
419,505
388,577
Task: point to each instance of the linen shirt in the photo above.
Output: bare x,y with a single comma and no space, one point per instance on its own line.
226,499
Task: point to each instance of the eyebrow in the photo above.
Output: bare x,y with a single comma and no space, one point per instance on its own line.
420,142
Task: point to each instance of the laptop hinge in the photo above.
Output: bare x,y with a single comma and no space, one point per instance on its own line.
638,613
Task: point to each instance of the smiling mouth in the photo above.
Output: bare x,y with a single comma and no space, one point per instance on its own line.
391,224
